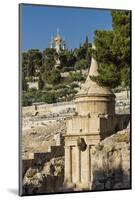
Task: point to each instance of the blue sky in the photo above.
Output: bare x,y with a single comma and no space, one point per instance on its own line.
38,23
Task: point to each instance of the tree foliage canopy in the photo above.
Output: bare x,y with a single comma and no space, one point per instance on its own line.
113,51
31,61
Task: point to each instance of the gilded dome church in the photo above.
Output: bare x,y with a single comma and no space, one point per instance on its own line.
57,42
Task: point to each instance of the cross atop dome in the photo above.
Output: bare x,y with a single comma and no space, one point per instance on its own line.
57,31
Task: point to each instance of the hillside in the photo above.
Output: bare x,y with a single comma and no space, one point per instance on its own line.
110,168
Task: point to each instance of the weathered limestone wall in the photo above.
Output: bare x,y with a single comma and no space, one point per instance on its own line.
102,105
111,162
44,108
106,125
82,125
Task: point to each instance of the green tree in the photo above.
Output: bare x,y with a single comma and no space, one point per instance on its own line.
83,53
49,55
25,63
31,61
80,53
81,64
63,58
125,76
55,77
49,60
49,97
70,59
40,83
109,76
77,76
67,59
113,51
122,28
24,83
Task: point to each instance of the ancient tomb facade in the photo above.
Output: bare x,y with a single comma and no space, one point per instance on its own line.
93,120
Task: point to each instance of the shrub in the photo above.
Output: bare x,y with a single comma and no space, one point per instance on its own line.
77,76
49,97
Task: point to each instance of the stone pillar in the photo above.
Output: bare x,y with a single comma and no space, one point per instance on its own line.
92,152
78,164
90,174
88,152
68,164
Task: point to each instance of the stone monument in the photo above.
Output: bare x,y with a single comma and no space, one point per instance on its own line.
93,120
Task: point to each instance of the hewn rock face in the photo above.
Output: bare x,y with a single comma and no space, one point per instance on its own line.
111,162
46,178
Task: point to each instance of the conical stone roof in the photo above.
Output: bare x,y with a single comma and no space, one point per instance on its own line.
91,88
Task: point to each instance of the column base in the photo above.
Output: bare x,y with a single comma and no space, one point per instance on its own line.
68,184
78,186
83,186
